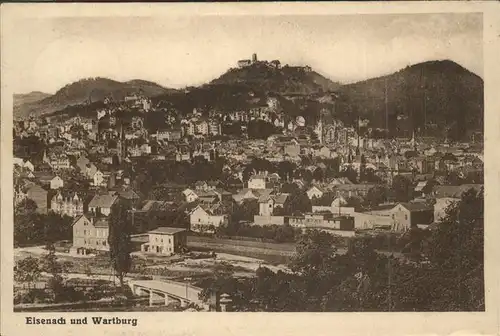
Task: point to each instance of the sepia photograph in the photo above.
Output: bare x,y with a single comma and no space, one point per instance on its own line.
247,163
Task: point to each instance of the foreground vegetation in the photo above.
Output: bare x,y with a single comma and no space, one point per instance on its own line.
446,273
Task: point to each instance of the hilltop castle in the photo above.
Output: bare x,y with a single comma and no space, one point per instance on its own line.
248,62
274,64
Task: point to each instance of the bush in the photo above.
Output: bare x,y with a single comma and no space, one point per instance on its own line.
32,296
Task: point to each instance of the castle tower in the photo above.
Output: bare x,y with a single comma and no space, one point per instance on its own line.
254,58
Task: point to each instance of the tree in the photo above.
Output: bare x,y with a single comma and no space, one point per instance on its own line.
27,270
370,176
245,211
26,206
350,173
297,203
120,245
314,250
56,270
332,167
452,178
260,129
318,174
462,230
56,227
376,195
401,187
286,170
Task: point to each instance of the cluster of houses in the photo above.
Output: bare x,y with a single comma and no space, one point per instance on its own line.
80,148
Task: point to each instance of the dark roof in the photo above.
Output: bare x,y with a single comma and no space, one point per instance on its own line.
103,201
44,177
455,191
354,186
101,222
128,194
420,206
152,205
167,230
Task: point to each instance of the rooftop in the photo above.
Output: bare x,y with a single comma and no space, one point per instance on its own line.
167,230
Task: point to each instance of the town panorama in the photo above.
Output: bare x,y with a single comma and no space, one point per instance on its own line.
270,188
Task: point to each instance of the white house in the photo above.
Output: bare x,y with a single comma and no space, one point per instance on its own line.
165,241
258,181
28,165
314,192
268,203
18,161
90,233
56,183
24,164
98,178
190,195
204,219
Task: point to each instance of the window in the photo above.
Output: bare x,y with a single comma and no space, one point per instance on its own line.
162,240
169,240
84,232
104,242
406,217
392,216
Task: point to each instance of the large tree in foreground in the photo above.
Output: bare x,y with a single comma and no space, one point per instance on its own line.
27,270
120,245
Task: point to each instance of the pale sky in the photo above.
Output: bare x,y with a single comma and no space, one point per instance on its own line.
180,51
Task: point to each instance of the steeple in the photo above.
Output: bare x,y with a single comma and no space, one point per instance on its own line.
412,141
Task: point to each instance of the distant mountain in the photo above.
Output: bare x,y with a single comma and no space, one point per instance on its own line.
262,76
29,98
88,91
435,98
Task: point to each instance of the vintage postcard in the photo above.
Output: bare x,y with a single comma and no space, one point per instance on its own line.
236,160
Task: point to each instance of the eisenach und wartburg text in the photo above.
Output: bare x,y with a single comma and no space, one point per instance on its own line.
84,320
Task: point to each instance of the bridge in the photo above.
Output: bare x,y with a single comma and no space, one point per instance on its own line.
166,292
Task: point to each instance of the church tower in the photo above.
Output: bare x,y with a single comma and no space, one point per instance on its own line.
412,141
318,130
120,145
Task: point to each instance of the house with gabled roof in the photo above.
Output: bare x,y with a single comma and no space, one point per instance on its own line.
90,233
102,203
315,192
409,215
247,194
268,203
205,218
166,241
190,195
446,195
